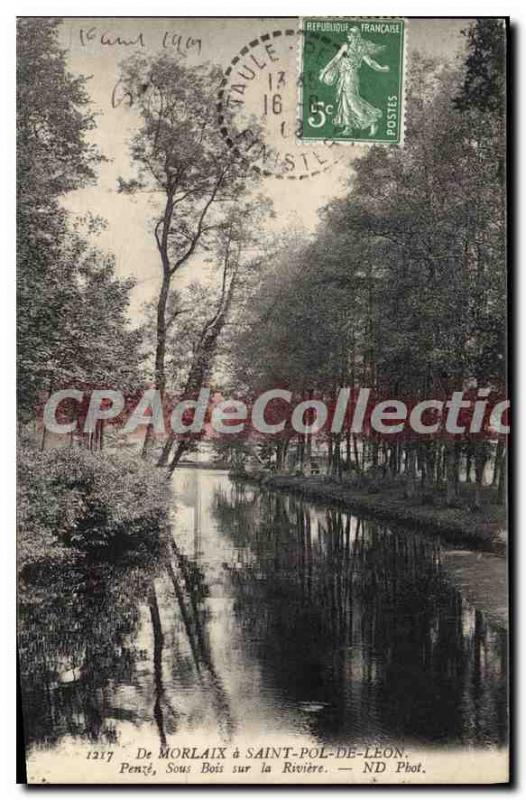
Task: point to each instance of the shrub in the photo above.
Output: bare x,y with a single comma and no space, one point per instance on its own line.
87,501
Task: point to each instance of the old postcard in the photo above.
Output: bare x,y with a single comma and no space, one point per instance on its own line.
262,400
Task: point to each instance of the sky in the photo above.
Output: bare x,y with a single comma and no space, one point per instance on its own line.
95,48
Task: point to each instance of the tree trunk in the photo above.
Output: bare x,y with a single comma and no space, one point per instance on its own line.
411,471
356,454
480,463
449,466
498,463
160,353
348,457
337,457
204,353
181,449
469,463
43,440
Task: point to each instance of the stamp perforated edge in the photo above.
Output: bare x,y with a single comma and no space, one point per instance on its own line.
403,82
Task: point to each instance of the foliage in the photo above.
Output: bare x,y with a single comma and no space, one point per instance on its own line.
54,155
403,286
179,154
71,321
77,499
484,85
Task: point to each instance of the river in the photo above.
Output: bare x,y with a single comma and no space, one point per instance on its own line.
268,616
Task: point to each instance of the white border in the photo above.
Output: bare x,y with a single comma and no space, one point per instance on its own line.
445,8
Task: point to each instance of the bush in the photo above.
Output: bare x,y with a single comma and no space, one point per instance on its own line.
87,501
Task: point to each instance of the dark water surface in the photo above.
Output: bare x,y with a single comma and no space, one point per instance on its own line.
268,616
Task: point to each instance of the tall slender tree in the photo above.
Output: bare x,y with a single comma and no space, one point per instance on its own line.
181,156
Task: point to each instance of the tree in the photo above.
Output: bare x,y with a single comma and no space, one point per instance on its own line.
72,310
235,239
180,155
402,288
53,157
91,344
484,86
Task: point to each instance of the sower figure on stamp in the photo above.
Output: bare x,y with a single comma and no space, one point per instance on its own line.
352,111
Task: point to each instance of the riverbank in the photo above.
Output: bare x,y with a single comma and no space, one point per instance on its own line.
482,529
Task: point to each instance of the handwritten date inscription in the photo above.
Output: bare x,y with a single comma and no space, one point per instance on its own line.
183,44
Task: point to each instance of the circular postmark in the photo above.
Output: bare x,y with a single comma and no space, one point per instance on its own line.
260,89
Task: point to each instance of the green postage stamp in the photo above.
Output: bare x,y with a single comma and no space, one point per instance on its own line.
351,80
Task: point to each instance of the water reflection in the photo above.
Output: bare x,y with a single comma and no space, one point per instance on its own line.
263,614
77,638
360,620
